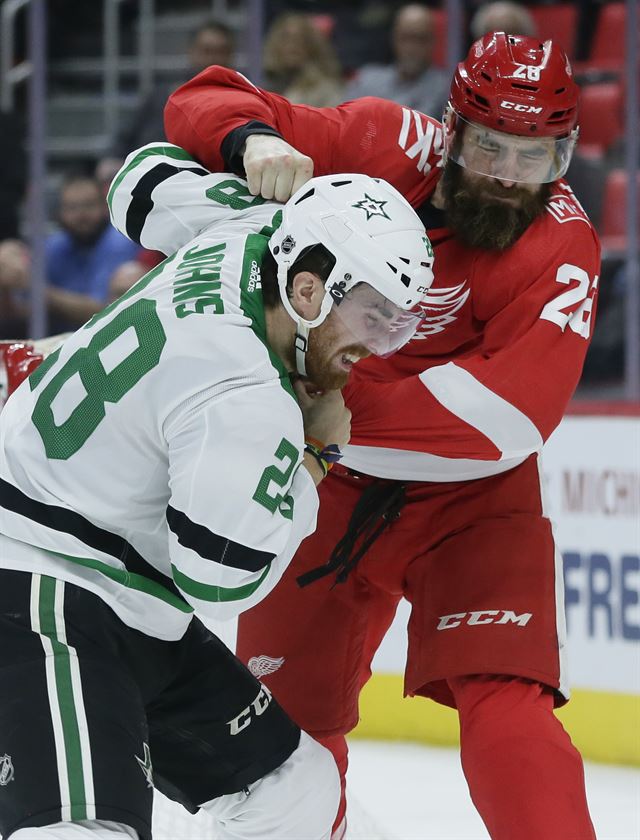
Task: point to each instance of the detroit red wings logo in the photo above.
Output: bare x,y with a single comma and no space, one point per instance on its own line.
262,665
441,306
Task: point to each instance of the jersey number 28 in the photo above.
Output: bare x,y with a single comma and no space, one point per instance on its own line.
62,440
561,309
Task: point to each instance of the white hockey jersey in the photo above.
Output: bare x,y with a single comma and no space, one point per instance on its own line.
154,459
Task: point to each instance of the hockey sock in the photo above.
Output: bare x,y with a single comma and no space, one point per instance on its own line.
338,746
297,799
525,776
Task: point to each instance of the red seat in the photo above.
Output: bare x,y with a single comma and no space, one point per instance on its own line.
613,231
608,46
600,116
558,23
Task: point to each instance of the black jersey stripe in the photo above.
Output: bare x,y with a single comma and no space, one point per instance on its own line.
213,547
70,522
141,203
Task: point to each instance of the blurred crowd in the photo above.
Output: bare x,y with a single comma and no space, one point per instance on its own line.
318,54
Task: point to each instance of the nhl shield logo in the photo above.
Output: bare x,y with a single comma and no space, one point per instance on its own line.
6,769
288,244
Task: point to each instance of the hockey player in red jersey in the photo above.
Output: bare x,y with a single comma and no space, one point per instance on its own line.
439,497
441,482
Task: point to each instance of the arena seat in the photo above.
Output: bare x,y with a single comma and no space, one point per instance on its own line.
600,116
558,22
608,45
613,230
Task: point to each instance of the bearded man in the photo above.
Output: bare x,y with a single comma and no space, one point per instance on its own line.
440,500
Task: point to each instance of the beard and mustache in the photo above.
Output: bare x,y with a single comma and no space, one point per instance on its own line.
474,212
321,363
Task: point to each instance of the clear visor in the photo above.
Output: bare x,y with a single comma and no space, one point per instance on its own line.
508,157
381,326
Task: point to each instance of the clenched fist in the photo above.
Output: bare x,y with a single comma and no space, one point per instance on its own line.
274,168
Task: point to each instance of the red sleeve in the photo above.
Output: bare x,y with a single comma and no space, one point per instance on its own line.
372,136
485,411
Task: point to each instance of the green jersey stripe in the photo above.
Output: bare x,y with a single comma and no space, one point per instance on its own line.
252,303
51,628
142,283
155,151
208,592
138,574
128,579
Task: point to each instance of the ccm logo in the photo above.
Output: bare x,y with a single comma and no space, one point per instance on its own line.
516,106
483,617
254,709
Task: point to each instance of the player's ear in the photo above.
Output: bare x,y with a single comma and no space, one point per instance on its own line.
307,292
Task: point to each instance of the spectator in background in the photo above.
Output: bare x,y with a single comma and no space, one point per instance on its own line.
82,257
14,287
300,63
411,80
127,274
511,18
212,43
14,259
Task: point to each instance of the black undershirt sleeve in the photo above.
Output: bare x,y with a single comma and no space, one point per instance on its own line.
232,147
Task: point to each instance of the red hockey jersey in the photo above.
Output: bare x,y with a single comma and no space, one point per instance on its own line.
500,354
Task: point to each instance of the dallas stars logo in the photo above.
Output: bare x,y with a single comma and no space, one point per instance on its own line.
371,207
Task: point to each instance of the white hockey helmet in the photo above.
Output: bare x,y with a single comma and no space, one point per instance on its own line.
383,258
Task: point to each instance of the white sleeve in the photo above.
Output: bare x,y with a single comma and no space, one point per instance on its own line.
162,198
240,501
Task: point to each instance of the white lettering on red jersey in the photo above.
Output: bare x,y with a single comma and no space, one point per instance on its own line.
565,207
421,135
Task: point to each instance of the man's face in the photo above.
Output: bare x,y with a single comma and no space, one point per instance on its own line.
488,213
413,40
294,50
333,350
211,46
508,158
83,211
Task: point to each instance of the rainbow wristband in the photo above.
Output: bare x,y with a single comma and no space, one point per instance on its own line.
330,452
326,456
325,466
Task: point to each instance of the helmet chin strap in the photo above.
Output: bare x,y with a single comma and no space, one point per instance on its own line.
301,345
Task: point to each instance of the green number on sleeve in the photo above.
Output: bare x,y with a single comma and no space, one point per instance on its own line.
62,441
41,371
234,194
287,454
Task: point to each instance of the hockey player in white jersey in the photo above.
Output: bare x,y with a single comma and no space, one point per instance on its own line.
160,468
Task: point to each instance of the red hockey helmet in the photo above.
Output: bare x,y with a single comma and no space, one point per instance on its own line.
516,85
